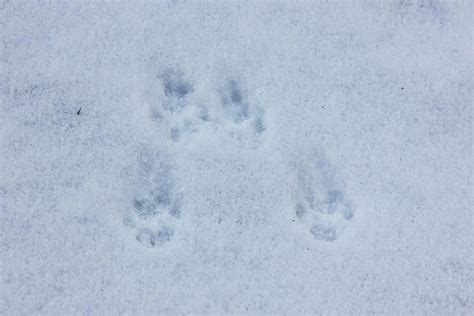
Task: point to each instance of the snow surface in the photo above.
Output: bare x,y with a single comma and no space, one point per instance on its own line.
242,157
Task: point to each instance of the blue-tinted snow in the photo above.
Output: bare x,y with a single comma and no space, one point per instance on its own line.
251,158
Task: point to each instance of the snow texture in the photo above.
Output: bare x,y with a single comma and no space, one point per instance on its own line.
236,157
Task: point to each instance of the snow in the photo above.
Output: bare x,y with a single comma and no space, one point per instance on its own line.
177,157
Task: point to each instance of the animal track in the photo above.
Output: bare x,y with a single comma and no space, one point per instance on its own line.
239,110
235,106
175,88
183,112
155,208
321,204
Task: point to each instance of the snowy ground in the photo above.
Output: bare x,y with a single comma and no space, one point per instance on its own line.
236,157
